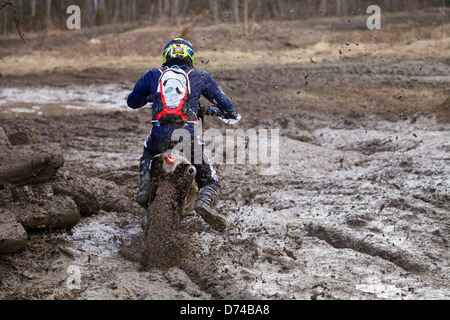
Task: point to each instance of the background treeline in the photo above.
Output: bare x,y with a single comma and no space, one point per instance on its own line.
39,14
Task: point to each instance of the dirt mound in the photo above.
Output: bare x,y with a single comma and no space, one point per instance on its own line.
38,196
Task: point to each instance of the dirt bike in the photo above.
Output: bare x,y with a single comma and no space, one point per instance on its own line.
173,187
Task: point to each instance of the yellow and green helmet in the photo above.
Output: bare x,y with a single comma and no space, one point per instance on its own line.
179,49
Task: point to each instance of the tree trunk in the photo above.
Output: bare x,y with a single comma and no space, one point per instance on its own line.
29,163
160,8
236,10
245,17
338,7
33,7
175,8
116,11
101,12
281,7
214,9
48,12
323,7
166,8
184,6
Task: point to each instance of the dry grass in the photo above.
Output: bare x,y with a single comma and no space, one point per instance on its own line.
223,46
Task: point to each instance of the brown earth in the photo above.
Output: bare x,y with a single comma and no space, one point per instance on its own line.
358,210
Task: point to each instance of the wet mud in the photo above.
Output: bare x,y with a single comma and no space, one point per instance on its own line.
358,210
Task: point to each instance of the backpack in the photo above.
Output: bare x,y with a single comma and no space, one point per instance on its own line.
173,97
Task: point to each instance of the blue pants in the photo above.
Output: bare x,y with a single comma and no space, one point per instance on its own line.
156,145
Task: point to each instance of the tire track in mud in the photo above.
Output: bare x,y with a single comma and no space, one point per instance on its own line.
368,243
372,240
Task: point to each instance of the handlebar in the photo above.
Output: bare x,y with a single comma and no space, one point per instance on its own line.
211,110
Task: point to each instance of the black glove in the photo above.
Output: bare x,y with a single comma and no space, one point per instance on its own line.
231,115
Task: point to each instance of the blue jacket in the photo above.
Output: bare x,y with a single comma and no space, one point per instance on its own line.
201,84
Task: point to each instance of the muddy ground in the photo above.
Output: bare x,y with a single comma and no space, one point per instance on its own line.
358,210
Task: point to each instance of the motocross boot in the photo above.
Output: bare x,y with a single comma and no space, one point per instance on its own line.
143,194
208,197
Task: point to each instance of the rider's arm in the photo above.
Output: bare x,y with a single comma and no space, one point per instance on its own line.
138,98
212,92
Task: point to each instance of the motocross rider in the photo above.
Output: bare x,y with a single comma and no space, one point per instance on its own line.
181,53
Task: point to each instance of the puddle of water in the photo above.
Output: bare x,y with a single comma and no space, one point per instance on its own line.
50,101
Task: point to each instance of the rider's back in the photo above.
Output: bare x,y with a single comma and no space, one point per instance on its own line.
201,83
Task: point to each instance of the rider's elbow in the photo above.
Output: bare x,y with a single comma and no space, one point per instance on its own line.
133,103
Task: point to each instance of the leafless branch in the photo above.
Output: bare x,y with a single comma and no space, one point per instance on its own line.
15,16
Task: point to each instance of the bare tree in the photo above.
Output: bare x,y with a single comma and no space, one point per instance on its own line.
175,8
245,16
33,7
214,9
184,6
48,12
235,6
14,15
102,10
